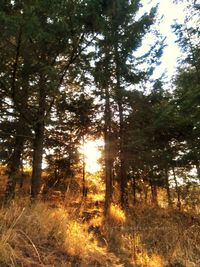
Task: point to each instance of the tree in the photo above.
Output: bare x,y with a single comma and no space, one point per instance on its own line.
45,41
122,36
187,87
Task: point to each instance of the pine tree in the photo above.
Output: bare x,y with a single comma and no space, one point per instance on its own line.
122,35
188,86
45,40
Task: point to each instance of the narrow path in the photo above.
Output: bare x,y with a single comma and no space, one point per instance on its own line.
92,217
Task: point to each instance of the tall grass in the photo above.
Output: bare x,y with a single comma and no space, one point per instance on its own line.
154,237
37,235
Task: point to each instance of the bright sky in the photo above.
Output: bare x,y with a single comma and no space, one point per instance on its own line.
170,12
92,155
172,52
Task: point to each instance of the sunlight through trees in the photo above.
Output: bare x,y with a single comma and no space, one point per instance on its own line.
95,136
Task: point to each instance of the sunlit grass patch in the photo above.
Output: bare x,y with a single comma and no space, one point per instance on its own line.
77,242
155,237
37,235
97,221
97,197
150,260
139,256
83,245
127,243
167,235
116,214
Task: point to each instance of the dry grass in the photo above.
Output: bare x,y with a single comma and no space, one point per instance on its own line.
116,215
155,237
37,235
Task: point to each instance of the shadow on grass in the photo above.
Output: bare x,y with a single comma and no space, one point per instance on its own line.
153,237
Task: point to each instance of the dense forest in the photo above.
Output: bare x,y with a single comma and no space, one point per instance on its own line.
73,71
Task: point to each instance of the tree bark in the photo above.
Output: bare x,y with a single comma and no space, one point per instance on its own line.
169,200
13,168
144,191
107,153
198,169
123,175
134,190
84,187
177,189
38,141
37,159
119,97
154,193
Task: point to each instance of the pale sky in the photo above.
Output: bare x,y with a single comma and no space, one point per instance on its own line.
92,155
170,12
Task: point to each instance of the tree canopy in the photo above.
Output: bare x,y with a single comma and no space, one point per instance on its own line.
69,71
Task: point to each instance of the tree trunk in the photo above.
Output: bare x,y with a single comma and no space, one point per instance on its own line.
13,168
154,193
84,187
37,159
177,189
198,169
123,175
145,195
38,142
134,190
169,200
108,178
15,160
119,97
107,153
144,191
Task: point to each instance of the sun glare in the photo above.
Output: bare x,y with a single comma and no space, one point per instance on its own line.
92,153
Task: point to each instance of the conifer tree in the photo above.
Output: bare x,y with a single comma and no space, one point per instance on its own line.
45,40
122,35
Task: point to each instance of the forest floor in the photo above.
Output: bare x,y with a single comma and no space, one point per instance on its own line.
74,232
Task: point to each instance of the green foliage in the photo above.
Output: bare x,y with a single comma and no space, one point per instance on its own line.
59,57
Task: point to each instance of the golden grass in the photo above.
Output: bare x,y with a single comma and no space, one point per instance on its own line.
117,215
155,237
37,235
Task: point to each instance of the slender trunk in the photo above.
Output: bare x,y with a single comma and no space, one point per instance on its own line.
108,153
145,191
13,168
154,193
119,97
38,142
145,195
84,188
198,169
177,189
134,190
37,159
15,160
167,188
108,178
123,175
21,182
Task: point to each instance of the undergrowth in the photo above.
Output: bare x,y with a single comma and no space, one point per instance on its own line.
154,237
37,235
41,235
